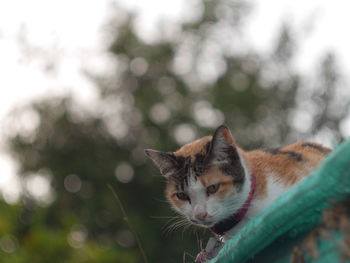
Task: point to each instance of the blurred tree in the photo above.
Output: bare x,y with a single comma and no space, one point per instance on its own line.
162,94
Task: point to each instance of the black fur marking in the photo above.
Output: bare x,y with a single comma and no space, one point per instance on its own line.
292,155
181,161
181,176
228,153
185,164
317,147
233,166
199,164
207,147
236,171
201,160
232,154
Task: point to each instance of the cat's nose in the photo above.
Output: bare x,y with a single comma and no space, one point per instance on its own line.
199,212
200,215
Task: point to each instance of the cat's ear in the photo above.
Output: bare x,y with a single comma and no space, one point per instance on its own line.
164,160
222,145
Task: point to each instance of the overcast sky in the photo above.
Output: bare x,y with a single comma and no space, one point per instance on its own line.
71,35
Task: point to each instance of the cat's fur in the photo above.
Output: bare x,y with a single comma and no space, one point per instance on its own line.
209,180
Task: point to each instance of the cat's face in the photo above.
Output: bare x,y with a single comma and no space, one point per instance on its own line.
205,178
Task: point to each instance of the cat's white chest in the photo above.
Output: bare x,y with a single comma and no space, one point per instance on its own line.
274,191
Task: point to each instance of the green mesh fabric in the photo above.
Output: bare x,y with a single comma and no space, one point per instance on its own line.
294,213
327,248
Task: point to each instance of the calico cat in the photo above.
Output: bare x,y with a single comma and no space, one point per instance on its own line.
217,185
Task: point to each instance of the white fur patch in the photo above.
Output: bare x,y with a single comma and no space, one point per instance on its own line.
274,190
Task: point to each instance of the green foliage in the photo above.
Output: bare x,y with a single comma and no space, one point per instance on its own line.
40,242
162,94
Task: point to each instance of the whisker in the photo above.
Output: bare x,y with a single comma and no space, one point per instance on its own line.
186,227
161,200
197,238
181,222
165,217
184,256
167,227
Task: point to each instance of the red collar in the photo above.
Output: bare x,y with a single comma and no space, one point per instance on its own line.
223,226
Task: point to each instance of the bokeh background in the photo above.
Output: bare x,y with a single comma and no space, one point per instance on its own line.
87,85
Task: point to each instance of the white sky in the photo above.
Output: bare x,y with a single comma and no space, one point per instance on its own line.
71,35
321,24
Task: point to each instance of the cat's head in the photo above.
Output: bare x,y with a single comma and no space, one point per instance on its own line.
205,178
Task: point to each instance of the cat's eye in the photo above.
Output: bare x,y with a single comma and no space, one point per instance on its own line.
182,196
212,189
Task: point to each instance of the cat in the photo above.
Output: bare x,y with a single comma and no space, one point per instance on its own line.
217,185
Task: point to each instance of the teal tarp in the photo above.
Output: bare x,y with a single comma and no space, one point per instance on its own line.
293,215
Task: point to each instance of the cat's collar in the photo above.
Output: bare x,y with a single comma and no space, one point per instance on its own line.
225,225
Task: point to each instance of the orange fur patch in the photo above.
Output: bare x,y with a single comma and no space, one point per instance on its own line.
193,148
228,136
284,169
215,176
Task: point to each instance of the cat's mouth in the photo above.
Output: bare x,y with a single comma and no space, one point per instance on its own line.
207,224
203,223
